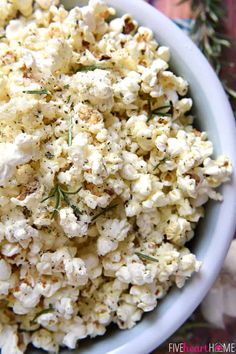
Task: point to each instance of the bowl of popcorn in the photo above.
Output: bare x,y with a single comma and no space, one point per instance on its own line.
115,136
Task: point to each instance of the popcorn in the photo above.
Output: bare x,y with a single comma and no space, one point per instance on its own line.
20,230
48,320
143,186
164,53
144,297
221,168
5,270
136,273
128,88
92,265
45,340
70,224
9,340
25,7
101,187
128,315
45,4
75,331
176,146
94,86
112,231
188,265
76,272
29,297
21,152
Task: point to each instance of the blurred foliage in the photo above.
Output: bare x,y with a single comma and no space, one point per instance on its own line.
208,33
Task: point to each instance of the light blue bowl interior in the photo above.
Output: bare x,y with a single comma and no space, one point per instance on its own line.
204,121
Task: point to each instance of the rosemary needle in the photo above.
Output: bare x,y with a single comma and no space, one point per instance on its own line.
49,196
105,210
161,162
159,111
86,68
43,91
145,256
58,201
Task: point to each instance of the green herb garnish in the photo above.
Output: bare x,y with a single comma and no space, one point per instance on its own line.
159,111
208,32
43,312
145,256
104,211
66,86
62,195
3,36
68,99
42,91
161,162
86,68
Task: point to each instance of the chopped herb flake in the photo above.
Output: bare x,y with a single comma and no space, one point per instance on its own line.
68,99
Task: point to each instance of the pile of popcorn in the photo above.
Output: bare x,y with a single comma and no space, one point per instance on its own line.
102,176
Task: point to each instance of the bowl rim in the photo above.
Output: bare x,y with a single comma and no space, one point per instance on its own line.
148,340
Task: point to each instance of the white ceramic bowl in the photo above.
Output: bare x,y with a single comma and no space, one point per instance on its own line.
216,230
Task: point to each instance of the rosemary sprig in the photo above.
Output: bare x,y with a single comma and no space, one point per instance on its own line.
104,211
85,68
43,91
145,256
207,34
43,312
62,195
159,111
